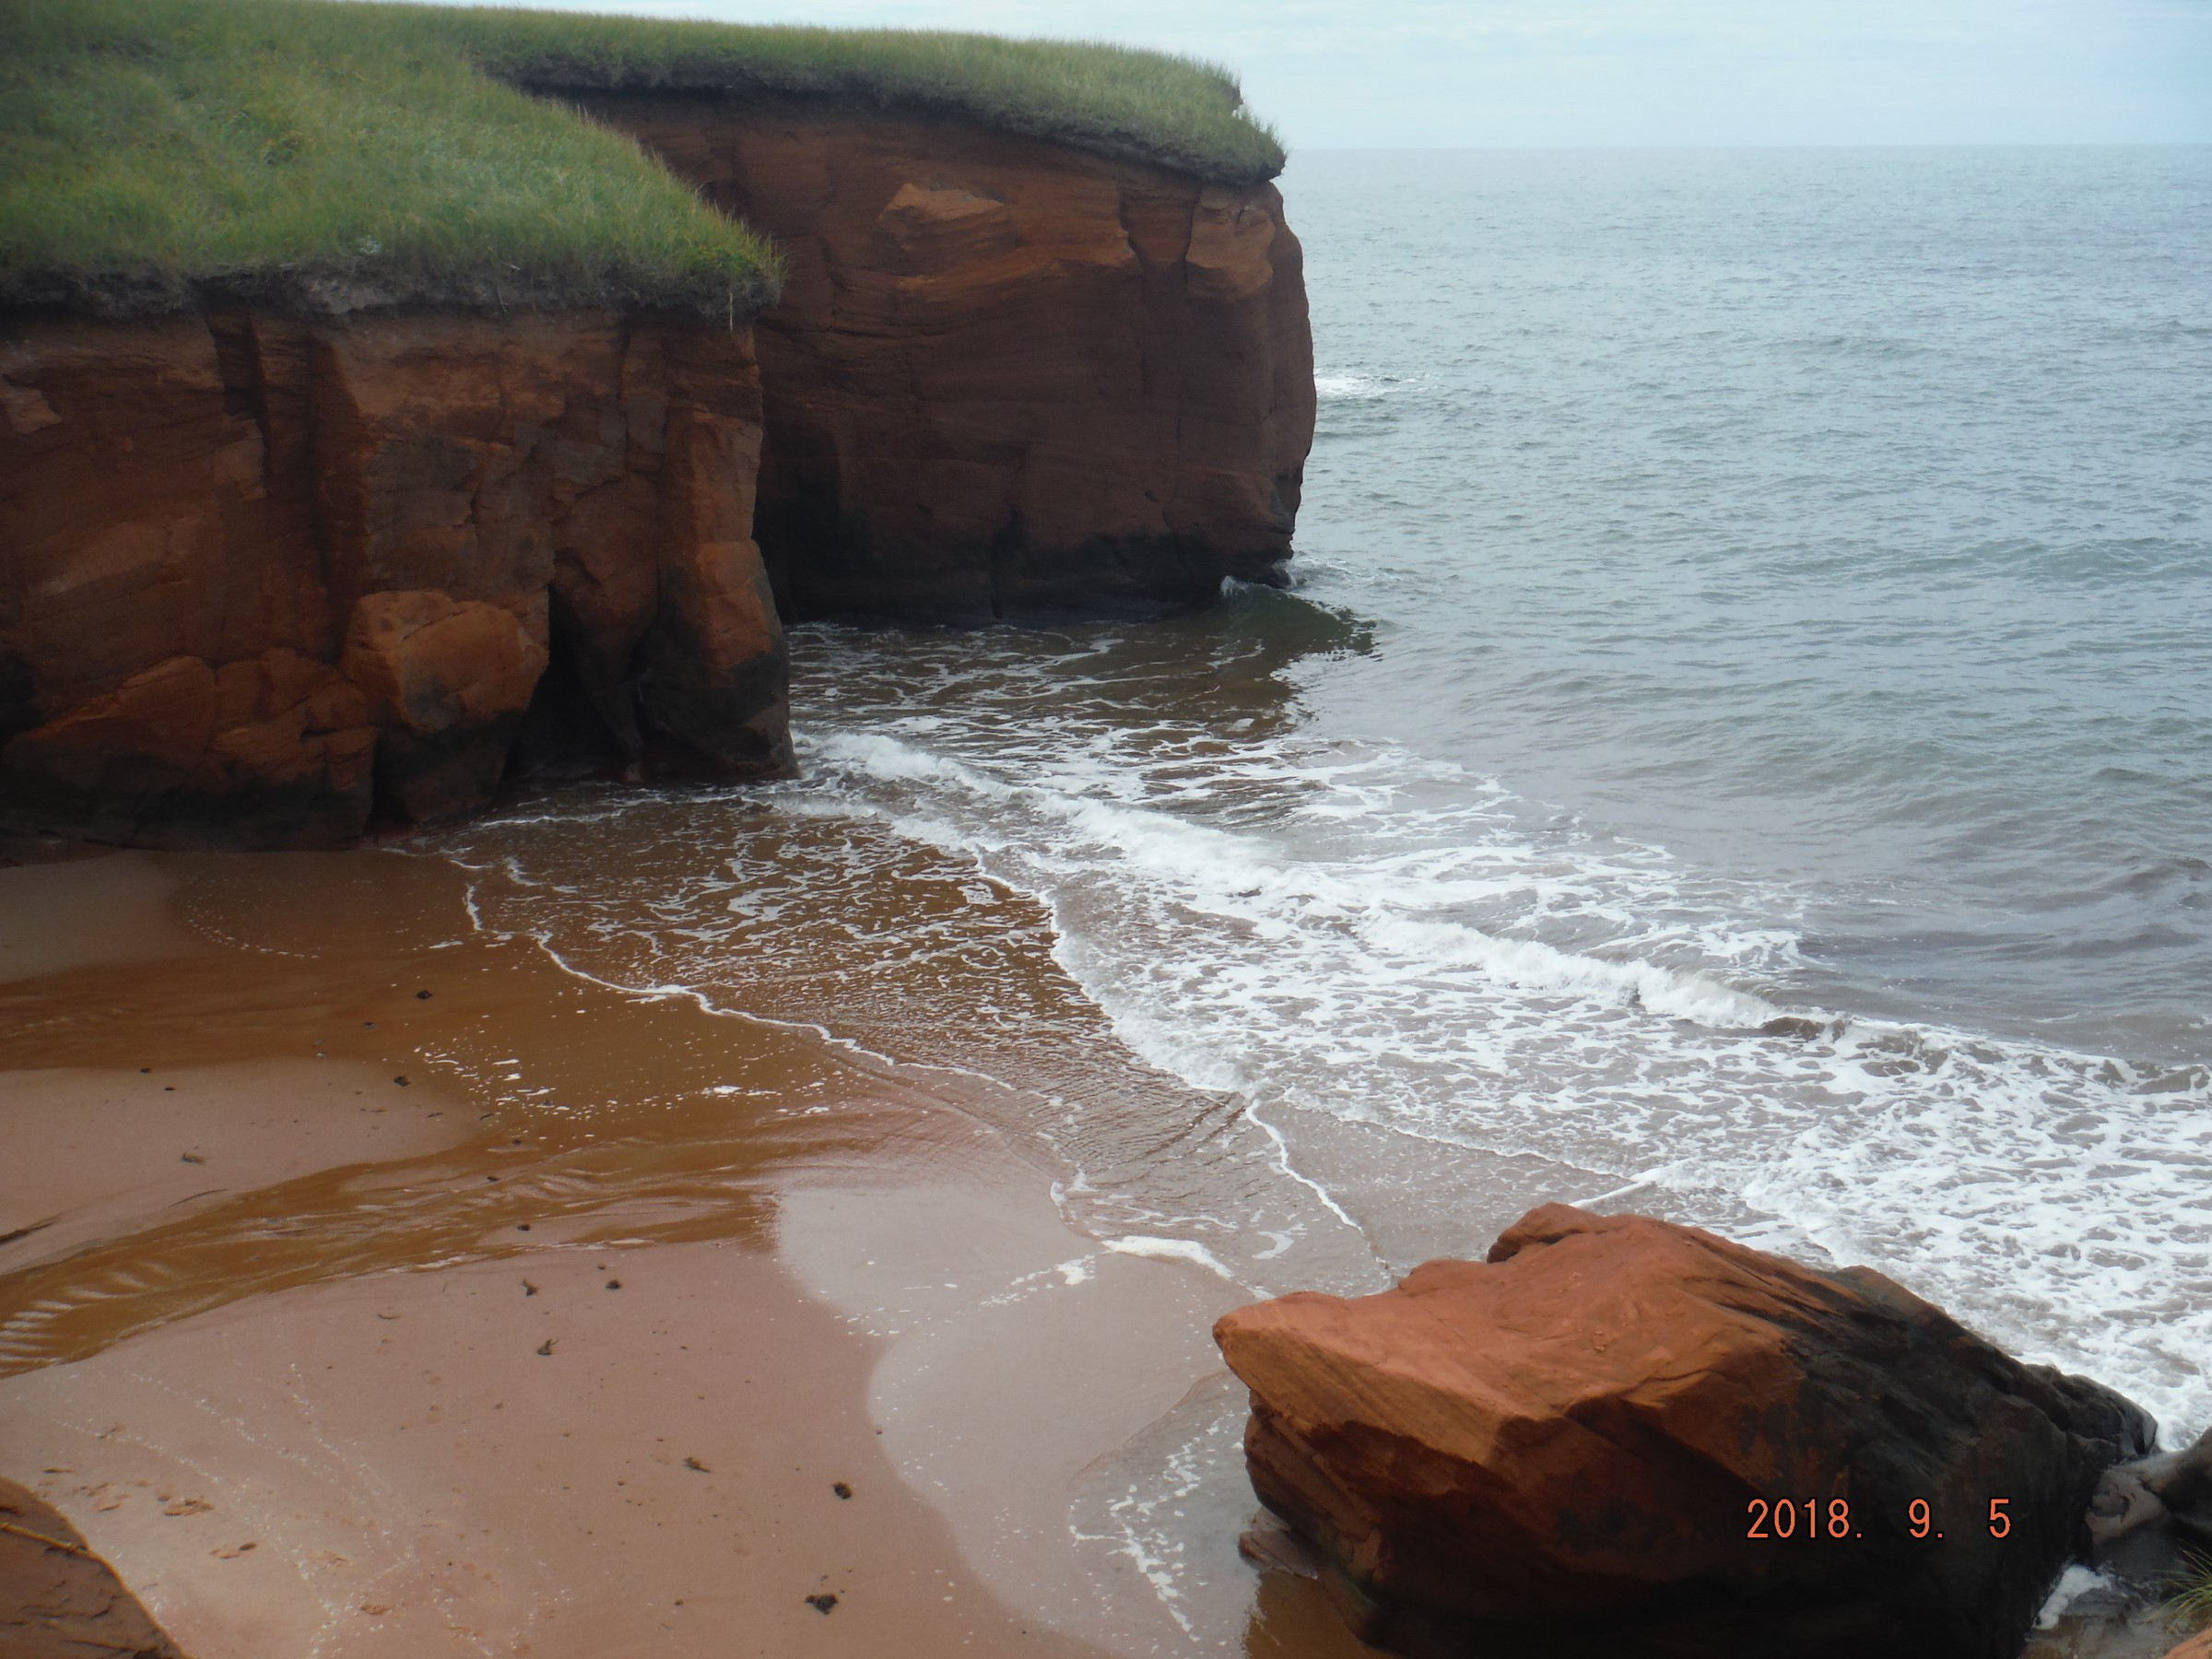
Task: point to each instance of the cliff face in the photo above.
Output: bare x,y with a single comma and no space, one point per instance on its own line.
268,583
1007,377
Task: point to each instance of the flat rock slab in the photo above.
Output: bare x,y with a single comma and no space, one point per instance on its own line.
60,1601
1617,1434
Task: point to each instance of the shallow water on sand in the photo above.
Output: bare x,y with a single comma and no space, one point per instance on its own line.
327,1163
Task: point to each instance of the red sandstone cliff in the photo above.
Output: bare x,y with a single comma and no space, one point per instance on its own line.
270,582
1007,377
265,582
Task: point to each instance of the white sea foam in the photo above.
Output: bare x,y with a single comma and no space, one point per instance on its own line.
2074,1583
1439,972
1353,388
1171,1250
1319,926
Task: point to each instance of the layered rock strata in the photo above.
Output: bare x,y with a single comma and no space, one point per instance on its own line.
1617,1435
1007,378
267,581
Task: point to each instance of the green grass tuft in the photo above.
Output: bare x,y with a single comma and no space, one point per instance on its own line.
155,152
2190,1606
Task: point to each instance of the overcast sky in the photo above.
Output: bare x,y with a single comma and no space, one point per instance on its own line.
1338,74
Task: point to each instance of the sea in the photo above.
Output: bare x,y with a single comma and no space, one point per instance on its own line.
1736,745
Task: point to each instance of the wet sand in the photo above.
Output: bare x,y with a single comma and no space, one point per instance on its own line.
392,1465
329,1363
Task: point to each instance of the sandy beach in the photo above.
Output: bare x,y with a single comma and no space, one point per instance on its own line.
327,1362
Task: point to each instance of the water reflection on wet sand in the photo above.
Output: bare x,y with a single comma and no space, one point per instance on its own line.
566,1340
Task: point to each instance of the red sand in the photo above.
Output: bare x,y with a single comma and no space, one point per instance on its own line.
319,1340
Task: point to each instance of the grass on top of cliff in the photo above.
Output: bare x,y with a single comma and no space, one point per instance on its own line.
153,152
1118,100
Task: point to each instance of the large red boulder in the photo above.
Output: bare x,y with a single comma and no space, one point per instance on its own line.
1621,1436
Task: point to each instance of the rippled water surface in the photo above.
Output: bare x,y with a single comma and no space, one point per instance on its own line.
1834,519
1740,746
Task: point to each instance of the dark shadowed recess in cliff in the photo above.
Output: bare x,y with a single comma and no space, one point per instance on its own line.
628,718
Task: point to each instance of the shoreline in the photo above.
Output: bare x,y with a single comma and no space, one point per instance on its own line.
533,1313
886,1277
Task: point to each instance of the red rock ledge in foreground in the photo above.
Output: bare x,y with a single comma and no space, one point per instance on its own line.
1561,1451
267,582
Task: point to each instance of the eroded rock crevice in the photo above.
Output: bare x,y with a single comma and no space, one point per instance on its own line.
273,582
